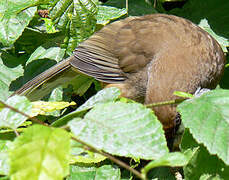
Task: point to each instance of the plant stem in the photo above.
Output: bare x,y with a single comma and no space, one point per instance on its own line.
175,101
112,158
34,119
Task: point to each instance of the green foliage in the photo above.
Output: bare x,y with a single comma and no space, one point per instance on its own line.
77,18
133,130
45,153
4,158
173,159
11,119
8,73
106,172
202,162
102,122
54,53
108,13
14,17
210,124
104,96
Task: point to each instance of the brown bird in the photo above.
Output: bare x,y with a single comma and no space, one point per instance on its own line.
147,58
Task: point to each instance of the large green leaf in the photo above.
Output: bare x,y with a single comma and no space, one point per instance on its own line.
207,117
103,96
108,13
11,7
54,53
202,162
12,119
173,159
40,153
14,17
106,172
123,129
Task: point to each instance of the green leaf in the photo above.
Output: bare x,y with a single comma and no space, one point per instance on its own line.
87,158
12,119
43,107
103,96
50,28
54,53
129,130
56,96
76,18
13,21
4,165
4,159
7,74
173,159
10,7
106,172
84,173
202,162
209,177
207,117
221,40
80,155
40,153
108,13
35,36
183,94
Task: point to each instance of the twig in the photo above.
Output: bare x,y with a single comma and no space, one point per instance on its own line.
154,3
127,7
34,119
112,158
175,101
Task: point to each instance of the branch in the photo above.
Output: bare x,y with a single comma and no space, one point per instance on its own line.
175,101
34,119
112,158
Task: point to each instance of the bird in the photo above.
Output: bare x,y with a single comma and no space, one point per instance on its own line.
147,57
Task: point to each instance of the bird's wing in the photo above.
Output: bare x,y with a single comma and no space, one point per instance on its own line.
117,50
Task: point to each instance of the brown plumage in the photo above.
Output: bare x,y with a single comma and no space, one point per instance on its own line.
148,58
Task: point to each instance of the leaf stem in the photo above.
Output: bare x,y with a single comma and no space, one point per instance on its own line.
34,119
171,102
127,7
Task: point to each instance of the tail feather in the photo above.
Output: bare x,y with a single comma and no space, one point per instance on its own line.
51,78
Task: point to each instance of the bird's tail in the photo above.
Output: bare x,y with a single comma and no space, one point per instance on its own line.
44,83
